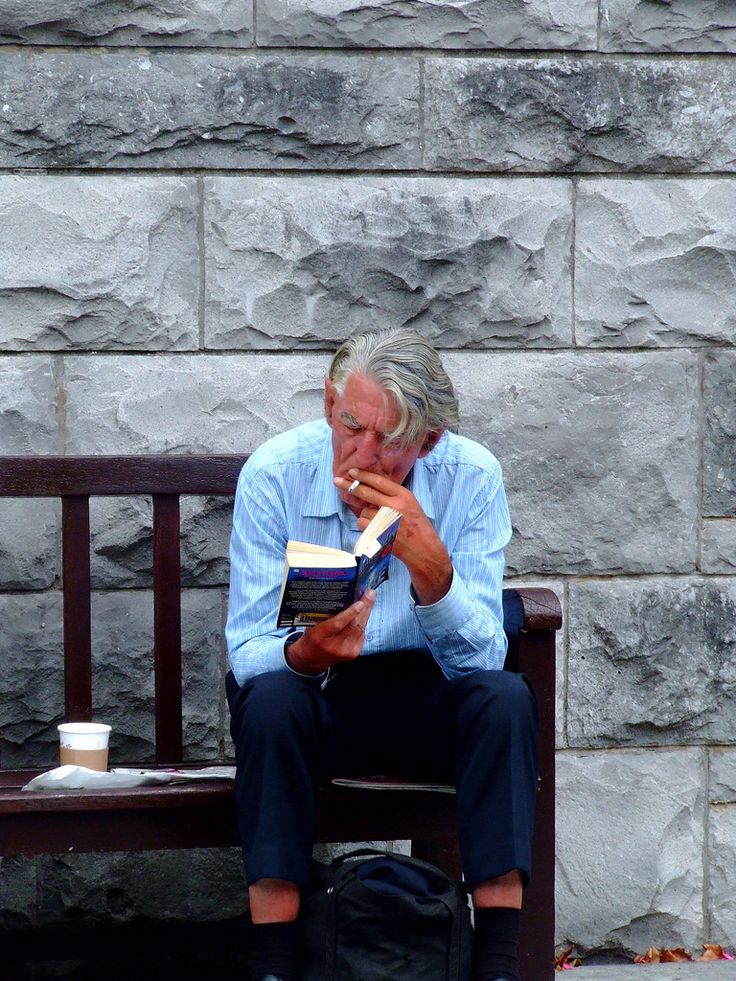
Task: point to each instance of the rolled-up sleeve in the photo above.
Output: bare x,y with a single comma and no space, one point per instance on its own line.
464,630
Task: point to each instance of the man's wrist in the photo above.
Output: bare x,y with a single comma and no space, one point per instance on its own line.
292,639
289,642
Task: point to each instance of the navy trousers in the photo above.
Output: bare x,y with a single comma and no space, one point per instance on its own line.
395,713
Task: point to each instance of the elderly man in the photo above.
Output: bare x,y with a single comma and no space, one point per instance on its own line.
408,677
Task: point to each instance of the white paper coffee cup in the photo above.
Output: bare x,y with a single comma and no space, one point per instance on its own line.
84,744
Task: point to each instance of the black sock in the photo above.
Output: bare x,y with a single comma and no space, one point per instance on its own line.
496,943
274,948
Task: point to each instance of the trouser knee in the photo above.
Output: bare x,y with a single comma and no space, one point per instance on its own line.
498,702
276,702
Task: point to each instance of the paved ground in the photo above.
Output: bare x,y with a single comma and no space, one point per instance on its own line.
703,971
229,969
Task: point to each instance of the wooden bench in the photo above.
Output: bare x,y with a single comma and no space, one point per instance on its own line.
202,814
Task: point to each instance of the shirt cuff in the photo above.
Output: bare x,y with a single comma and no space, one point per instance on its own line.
447,614
289,639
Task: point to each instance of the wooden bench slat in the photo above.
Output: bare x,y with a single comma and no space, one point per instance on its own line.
77,610
54,476
55,822
167,628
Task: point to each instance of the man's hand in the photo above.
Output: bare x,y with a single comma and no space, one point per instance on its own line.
333,641
417,544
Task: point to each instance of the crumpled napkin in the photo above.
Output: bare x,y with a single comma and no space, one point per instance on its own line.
71,777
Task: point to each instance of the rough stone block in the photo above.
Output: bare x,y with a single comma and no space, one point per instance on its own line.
651,662
28,543
31,679
722,775
196,884
116,22
599,453
28,422
629,850
188,404
122,671
675,25
446,24
654,262
98,262
302,262
722,855
591,115
31,674
122,541
718,546
719,435
18,888
67,109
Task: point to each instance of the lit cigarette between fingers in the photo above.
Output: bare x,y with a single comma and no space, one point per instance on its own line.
353,487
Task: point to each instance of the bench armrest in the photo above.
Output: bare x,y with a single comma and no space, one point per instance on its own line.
542,610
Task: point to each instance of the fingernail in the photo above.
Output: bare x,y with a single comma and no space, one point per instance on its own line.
353,472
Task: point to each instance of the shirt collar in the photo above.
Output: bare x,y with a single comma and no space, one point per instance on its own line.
322,498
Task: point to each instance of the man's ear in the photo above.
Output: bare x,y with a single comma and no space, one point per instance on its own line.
430,441
329,399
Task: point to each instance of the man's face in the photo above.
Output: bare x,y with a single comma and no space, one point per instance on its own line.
360,418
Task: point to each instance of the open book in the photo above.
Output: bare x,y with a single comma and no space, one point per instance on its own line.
320,581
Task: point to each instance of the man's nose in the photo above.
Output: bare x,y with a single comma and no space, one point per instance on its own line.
367,450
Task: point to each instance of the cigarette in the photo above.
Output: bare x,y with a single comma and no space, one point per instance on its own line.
353,487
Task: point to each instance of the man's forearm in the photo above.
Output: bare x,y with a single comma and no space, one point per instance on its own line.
431,575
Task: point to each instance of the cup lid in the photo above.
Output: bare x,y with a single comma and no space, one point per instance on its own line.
84,727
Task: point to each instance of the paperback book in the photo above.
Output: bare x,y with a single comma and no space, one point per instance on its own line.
320,582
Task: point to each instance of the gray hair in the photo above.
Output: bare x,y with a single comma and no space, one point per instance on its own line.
404,364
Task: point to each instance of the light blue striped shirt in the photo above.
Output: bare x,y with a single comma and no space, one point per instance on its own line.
285,491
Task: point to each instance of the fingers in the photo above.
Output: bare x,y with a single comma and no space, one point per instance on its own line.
365,516
363,609
338,639
377,481
373,488
355,617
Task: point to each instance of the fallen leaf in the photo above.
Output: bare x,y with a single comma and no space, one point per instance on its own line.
656,955
675,956
712,952
563,964
651,957
560,960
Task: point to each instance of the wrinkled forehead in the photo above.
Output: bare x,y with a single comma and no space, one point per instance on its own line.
365,403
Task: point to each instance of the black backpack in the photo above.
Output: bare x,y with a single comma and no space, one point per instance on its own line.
376,916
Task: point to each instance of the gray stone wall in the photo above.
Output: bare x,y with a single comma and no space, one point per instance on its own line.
198,199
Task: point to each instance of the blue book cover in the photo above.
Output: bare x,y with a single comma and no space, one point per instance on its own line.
320,582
